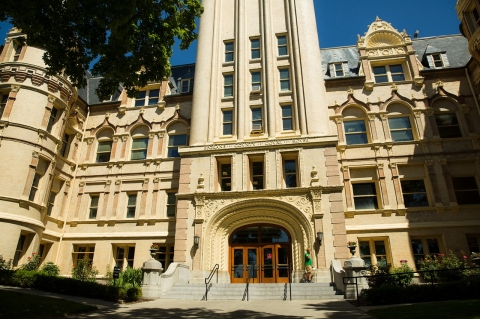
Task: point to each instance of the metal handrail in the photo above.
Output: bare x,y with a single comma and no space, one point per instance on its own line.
245,293
209,278
289,283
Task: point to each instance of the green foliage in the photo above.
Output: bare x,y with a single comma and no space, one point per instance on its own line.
129,278
24,278
134,293
84,270
50,269
446,267
6,277
32,262
132,39
397,276
5,264
403,275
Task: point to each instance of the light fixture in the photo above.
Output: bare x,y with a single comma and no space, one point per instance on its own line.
196,240
320,237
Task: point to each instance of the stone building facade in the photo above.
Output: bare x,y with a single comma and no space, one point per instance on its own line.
275,144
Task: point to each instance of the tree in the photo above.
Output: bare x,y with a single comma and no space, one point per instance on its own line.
132,40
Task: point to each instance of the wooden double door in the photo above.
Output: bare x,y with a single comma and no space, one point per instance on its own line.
263,263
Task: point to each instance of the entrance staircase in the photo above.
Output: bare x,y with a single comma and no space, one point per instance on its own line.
300,291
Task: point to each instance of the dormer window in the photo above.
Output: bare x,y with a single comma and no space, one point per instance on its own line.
388,73
338,67
186,85
437,60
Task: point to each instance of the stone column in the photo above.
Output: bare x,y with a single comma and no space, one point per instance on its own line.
151,285
354,267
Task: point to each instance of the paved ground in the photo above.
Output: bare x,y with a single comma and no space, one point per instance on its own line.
332,309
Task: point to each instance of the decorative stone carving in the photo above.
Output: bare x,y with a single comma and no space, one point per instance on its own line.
201,182
256,144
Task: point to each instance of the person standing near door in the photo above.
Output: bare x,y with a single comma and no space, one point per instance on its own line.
308,265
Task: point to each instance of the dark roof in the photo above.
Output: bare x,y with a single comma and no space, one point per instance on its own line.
454,46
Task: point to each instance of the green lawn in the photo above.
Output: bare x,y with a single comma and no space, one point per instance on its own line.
460,309
17,305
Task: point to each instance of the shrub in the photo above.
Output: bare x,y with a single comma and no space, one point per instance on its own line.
403,275
397,276
84,271
6,277
4,264
446,267
24,278
50,269
32,263
128,278
134,293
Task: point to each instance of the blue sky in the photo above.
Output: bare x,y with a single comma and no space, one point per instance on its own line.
339,22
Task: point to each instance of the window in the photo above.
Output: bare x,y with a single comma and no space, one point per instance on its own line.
104,151
290,171
256,119
448,126
338,68
284,80
466,190
19,251
473,20
414,193
282,45
43,251
83,252
171,204
388,73
255,47
365,196
40,171
174,141
400,129
51,202
422,247
437,60
256,81
473,243
225,177
131,205
51,119
122,258
373,252
355,132
229,51
64,150
139,149
148,97
18,51
227,123
186,85
228,85
165,255
257,175
287,118
93,206
3,103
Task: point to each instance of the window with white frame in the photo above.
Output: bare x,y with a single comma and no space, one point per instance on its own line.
229,53
124,256
165,254
284,79
414,193
437,60
338,69
131,205
147,97
171,203
139,148
93,209
174,142
355,132
228,85
282,45
466,190
3,103
447,124
400,129
186,85
52,119
227,122
40,171
83,251
388,73
423,246
104,151
287,118
256,81
365,196
257,119
374,252
255,48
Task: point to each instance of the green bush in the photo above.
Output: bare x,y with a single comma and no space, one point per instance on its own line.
50,269
6,277
446,268
397,276
84,270
24,278
403,275
4,264
134,293
32,263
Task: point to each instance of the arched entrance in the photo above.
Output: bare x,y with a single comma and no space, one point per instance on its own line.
262,252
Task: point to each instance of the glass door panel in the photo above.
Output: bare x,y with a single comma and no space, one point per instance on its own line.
252,266
283,264
268,264
237,265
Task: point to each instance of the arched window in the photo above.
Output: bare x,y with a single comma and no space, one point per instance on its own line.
446,119
177,136
399,123
355,126
139,143
104,148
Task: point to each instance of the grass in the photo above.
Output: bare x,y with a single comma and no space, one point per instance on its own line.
17,305
460,309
